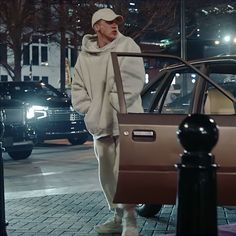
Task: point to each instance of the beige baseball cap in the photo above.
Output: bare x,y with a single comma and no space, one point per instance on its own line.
106,14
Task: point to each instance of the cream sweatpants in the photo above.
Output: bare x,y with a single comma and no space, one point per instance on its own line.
107,153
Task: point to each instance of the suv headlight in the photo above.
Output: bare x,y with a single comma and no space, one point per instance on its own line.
72,108
37,112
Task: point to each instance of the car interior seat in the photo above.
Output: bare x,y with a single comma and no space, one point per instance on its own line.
218,103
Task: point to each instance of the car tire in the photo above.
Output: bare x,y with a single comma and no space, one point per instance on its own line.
20,155
81,139
148,210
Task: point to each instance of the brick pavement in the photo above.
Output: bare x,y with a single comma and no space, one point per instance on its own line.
76,214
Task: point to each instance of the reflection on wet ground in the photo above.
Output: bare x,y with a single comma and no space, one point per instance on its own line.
55,167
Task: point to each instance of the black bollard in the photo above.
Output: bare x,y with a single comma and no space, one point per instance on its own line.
3,224
197,196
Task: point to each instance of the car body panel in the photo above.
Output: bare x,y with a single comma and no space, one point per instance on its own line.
155,169
149,147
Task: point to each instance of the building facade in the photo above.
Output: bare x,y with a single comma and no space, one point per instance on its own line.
41,61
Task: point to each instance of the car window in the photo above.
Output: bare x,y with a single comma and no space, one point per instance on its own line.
149,96
216,102
175,94
225,80
221,78
179,96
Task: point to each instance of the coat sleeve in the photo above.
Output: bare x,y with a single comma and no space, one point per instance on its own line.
133,76
79,95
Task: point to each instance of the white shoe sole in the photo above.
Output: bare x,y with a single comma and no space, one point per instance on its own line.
130,231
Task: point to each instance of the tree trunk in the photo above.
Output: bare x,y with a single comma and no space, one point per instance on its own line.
17,65
63,46
63,60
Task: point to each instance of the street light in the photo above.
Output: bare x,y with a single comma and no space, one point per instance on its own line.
228,41
227,38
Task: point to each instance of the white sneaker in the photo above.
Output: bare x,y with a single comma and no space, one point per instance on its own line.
110,226
130,231
130,226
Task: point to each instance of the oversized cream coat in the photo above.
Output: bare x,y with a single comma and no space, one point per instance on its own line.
94,91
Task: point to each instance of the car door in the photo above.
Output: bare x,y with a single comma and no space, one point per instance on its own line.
149,148
222,109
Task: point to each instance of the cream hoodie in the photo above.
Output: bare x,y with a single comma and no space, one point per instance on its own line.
94,91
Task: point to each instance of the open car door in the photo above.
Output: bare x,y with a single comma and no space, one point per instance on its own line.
149,148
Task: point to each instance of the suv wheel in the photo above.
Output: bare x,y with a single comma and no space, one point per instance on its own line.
80,139
148,210
20,155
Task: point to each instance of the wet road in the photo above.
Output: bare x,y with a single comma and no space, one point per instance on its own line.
55,167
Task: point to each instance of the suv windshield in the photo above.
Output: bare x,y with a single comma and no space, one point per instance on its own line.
27,90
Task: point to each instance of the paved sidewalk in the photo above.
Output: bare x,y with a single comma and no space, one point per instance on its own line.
76,214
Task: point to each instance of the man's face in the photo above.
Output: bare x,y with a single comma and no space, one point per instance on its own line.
108,29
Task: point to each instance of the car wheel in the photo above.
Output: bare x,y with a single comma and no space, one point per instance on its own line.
148,210
20,155
81,139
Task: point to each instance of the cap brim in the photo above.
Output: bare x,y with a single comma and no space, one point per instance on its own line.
119,19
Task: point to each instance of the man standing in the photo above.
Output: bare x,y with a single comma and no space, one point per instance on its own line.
94,94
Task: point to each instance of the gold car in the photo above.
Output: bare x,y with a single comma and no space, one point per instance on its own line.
149,147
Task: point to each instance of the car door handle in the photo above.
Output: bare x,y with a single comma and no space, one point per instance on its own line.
144,135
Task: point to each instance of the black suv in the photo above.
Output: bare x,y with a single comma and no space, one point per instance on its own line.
49,111
17,139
